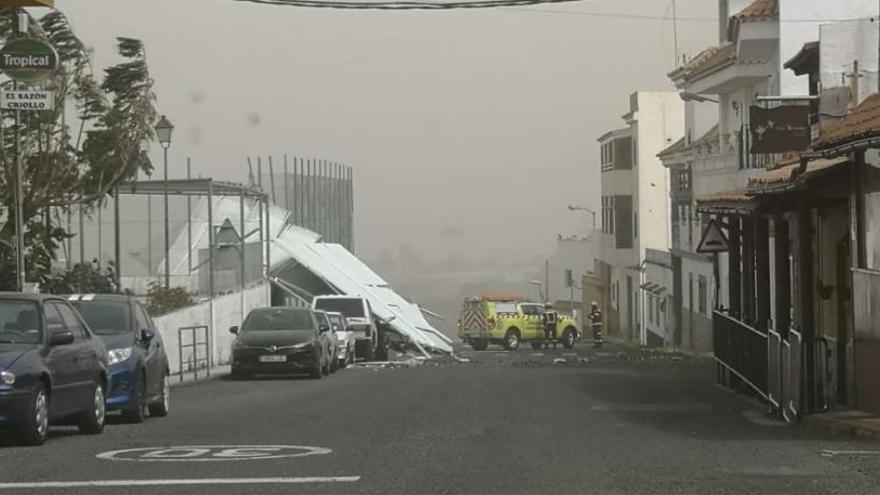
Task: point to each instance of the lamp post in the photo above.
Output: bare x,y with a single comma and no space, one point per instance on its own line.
163,134
583,208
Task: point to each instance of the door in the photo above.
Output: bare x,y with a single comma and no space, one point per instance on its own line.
85,356
691,310
60,362
153,356
630,308
844,309
533,321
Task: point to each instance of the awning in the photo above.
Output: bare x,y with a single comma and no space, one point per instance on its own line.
653,288
737,201
785,177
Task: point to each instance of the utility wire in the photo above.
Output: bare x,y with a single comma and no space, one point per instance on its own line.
405,5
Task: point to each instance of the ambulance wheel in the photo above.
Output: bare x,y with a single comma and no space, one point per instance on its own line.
568,338
479,344
511,339
536,344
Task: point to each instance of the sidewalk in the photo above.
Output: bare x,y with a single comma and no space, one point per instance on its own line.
190,377
855,423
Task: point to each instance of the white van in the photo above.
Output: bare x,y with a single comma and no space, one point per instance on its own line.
358,316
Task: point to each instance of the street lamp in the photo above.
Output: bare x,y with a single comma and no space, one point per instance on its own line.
163,134
539,285
583,208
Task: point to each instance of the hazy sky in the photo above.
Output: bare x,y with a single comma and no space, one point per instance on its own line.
469,131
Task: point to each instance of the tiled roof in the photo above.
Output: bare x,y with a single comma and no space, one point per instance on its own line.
803,60
862,122
758,10
736,199
676,147
706,61
786,176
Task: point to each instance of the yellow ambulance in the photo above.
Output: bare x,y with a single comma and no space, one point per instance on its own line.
507,320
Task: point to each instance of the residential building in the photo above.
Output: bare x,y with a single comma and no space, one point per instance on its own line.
635,202
781,324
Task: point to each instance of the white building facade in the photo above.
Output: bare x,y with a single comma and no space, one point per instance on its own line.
635,205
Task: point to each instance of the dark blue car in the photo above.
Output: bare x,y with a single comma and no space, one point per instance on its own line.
52,368
135,354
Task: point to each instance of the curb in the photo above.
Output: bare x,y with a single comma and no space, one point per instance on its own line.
189,377
845,426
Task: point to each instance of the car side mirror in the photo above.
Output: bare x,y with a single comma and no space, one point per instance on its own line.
147,335
62,337
233,330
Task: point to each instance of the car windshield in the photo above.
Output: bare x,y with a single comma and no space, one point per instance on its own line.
351,308
19,322
106,317
281,319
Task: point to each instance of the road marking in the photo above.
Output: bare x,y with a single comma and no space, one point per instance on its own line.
212,453
854,453
171,482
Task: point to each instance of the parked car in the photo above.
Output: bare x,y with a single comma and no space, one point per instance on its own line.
359,317
332,340
136,355
281,340
53,370
345,337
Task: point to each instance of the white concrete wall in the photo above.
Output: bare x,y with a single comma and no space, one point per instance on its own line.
794,34
660,123
228,310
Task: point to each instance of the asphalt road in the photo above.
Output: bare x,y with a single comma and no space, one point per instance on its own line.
505,423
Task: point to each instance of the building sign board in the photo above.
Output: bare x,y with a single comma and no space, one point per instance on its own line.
27,100
28,60
780,129
713,240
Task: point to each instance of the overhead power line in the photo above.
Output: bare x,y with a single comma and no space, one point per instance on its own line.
405,5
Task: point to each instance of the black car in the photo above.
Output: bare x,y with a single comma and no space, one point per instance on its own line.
52,368
136,355
281,340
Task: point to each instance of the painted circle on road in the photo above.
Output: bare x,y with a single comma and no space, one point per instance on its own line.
212,453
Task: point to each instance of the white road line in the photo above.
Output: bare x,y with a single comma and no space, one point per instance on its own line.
855,453
173,482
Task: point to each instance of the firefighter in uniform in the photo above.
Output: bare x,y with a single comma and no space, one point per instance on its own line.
595,318
550,318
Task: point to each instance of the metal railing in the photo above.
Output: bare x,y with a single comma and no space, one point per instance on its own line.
792,368
193,344
742,350
775,369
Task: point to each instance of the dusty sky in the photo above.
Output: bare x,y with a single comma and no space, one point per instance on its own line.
469,131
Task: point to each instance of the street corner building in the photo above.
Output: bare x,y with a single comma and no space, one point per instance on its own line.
779,162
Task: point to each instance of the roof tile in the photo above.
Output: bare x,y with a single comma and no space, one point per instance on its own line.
860,123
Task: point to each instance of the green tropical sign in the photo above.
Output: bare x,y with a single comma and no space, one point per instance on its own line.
28,60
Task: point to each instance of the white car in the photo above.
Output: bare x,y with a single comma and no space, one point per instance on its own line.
345,336
358,317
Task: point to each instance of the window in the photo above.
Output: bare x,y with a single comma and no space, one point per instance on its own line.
703,294
141,319
657,310
279,320
651,309
690,212
19,322
623,219
505,307
635,225
71,321
532,309
54,323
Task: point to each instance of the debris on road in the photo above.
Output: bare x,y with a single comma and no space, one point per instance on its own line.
560,361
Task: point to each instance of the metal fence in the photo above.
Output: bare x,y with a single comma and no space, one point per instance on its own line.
742,350
775,369
794,366
192,346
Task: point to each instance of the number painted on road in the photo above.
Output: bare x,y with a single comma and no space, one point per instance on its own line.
209,453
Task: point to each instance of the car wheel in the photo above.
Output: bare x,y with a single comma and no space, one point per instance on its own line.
479,344
35,430
239,374
316,371
568,338
92,420
162,407
511,339
135,414
536,344
325,368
